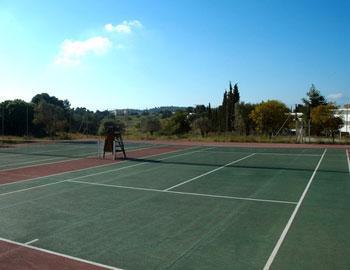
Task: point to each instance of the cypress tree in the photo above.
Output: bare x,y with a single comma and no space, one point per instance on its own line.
235,100
223,113
236,96
210,114
230,108
210,117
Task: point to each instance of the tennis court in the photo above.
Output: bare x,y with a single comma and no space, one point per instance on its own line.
15,155
199,207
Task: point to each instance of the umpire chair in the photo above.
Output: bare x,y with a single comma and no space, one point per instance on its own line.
114,142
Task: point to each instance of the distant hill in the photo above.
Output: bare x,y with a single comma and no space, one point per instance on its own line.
150,111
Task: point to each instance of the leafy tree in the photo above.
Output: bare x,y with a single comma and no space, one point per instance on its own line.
51,117
64,104
177,124
269,116
324,120
18,117
215,120
243,123
202,124
200,110
85,121
165,113
108,123
150,124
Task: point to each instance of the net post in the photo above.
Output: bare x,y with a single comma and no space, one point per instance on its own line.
114,152
98,149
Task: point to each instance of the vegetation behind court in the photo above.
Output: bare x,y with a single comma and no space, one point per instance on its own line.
233,120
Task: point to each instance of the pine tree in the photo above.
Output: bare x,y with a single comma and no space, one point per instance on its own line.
314,99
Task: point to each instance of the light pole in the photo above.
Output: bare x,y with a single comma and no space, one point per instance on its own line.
27,120
347,121
3,120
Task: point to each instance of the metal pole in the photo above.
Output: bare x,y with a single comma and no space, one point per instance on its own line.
114,152
3,119
347,122
98,149
27,120
309,122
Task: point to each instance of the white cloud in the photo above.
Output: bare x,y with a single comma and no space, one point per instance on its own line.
335,96
124,27
73,50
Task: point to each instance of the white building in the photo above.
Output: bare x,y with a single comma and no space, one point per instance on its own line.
344,113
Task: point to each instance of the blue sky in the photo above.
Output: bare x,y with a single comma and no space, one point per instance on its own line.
141,54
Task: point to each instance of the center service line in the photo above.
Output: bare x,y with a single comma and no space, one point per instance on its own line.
204,174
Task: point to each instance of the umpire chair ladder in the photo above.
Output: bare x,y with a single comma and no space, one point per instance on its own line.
114,142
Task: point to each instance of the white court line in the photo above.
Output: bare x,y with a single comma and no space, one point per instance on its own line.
25,189
268,153
144,147
38,153
289,154
58,161
59,254
290,221
348,158
38,164
183,193
31,242
204,174
230,197
94,167
98,173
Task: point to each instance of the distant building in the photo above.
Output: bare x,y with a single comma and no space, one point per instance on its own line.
344,113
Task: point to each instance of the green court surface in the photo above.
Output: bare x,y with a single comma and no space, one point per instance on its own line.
199,208
37,153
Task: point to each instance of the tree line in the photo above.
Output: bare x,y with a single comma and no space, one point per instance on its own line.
48,116
268,118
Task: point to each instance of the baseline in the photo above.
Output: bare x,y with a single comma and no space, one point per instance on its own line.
45,257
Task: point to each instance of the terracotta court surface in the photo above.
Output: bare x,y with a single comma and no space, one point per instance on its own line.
175,206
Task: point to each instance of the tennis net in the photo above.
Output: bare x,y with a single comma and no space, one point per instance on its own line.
59,148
